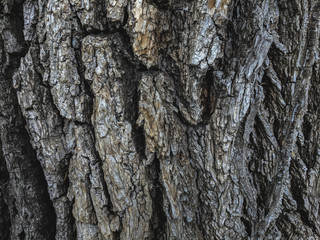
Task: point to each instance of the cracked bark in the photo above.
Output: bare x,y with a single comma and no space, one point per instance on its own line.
159,119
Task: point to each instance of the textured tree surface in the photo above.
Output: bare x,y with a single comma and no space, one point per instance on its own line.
159,119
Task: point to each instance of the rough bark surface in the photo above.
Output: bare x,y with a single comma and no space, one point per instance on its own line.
159,119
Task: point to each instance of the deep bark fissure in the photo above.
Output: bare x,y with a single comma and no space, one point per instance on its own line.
24,164
297,194
5,223
159,218
199,210
208,100
245,221
77,38
138,134
4,176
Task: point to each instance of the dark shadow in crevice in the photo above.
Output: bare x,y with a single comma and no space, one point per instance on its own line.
208,101
262,184
306,128
73,222
5,223
47,209
117,235
16,22
307,155
4,175
297,189
30,172
160,4
138,134
247,224
159,218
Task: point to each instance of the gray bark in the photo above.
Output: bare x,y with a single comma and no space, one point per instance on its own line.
159,119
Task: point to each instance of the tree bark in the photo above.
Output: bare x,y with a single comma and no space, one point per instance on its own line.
159,119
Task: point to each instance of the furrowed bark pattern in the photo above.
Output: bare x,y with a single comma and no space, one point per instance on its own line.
149,119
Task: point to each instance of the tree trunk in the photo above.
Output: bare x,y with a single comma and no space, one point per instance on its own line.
159,119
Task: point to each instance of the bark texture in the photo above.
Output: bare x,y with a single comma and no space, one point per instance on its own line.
159,119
